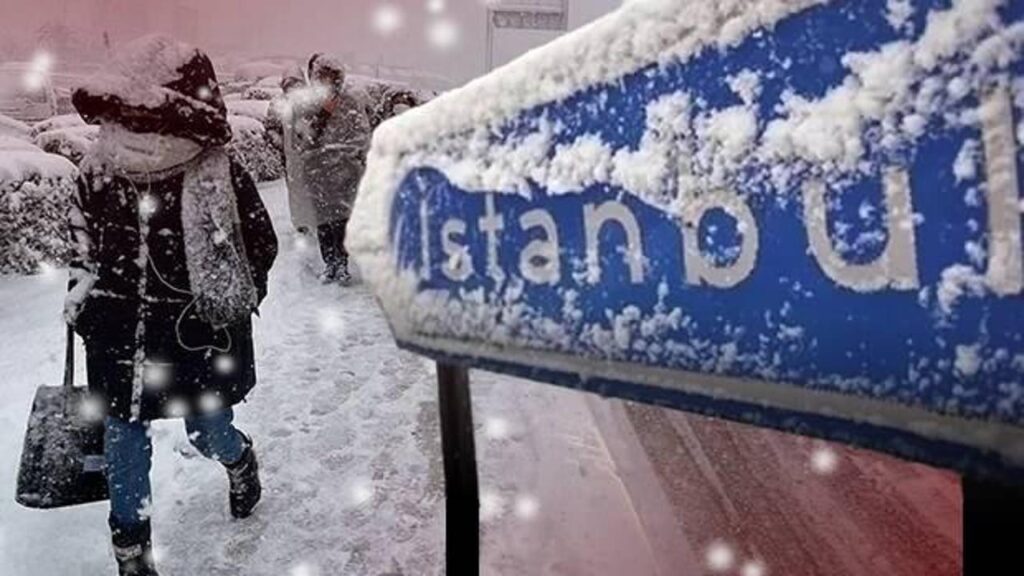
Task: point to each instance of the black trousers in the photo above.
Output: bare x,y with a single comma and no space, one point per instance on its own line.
332,242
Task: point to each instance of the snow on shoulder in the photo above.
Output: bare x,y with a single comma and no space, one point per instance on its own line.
21,160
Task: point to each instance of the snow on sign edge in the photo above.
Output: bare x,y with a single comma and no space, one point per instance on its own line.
624,41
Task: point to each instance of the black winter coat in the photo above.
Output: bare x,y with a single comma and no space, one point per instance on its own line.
136,321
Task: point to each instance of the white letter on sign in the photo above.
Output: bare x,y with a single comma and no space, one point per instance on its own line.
424,241
698,269
539,261
490,224
895,267
1005,274
594,219
459,265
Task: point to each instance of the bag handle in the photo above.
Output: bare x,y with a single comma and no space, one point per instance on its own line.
69,360
69,369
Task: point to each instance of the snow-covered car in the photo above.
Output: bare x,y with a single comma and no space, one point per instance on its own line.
253,149
35,189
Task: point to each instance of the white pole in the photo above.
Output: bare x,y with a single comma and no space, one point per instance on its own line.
490,40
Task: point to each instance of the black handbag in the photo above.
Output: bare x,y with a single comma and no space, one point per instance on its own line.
62,462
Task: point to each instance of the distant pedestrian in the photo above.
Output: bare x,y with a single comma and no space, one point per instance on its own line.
332,133
281,128
172,251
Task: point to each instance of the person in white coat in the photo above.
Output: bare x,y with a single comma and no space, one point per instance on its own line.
332,136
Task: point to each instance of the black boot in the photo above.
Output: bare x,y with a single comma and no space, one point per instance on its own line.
342,275
244,477
133,549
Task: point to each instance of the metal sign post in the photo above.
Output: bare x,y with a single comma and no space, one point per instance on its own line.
992,513
552,15
764,214
462,501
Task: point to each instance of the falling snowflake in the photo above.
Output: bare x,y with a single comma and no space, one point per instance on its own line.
147,206
304,569
360,492
331,322
720,556
496,428
176,409
156,375
48,271
526,507
210,402
443,34
224,364
387,19
753,568
92,409
146,509
824,460
492,506
38,71
435,6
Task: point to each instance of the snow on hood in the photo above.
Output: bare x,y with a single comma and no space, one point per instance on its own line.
324,63
139,70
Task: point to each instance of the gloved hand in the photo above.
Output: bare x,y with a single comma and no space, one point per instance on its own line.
72,309
77,297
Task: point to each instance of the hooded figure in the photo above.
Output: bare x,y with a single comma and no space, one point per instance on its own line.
281,128
172,248
332,132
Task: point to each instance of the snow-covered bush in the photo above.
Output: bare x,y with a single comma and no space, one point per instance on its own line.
255,109
260,69
35,191
251,147
265,89
71,143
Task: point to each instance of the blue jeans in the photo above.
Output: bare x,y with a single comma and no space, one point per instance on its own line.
129,454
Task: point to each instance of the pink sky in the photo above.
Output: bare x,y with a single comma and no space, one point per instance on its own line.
294,28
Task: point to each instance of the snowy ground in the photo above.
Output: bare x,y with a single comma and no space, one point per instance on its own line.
346,429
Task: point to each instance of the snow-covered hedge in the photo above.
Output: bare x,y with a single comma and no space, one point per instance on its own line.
255,109
253,149
35,191
11,128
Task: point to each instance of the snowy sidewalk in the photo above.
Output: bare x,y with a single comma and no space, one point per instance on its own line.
345,426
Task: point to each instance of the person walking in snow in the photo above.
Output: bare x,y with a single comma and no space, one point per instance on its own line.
172,248
281,128
332,135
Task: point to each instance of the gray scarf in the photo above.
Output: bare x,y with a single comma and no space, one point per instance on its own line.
218,267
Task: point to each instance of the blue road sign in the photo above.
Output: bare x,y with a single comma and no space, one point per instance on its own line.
803,215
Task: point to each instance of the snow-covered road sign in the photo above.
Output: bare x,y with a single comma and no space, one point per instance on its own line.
794,213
